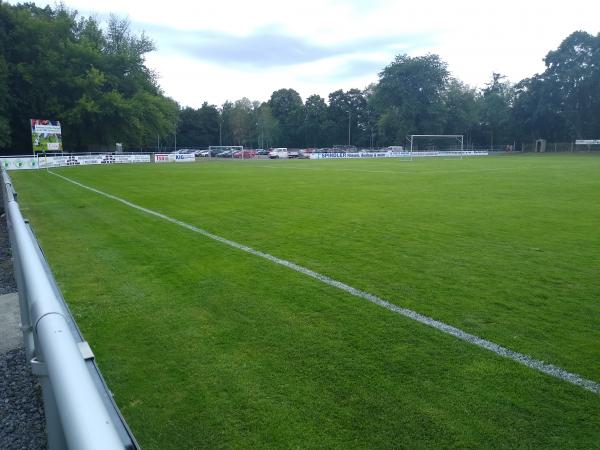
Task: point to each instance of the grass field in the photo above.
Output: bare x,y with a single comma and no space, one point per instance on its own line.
206,346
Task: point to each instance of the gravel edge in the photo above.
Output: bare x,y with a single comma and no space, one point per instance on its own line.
22,419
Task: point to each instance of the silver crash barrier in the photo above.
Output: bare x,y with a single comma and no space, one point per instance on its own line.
80,411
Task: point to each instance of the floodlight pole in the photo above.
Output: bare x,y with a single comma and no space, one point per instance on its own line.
348,130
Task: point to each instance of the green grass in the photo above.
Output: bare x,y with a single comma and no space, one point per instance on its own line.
205,346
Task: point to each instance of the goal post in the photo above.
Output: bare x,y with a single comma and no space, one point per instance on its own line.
445,144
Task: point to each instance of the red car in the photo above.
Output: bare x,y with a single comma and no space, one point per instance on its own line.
245,154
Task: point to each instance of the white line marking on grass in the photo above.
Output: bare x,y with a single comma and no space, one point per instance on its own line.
411,172
541,366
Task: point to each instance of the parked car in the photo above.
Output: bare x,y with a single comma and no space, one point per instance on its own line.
225,154
277,153
244,154
262,152
202,153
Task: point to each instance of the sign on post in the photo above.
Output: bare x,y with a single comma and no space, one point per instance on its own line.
46,135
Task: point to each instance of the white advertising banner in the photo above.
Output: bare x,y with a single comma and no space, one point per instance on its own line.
402,154
44,162
174,157
185,157
132,159
161,158
20,163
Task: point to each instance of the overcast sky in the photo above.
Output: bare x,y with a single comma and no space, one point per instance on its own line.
227,49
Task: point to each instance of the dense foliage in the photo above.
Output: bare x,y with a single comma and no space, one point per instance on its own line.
55,64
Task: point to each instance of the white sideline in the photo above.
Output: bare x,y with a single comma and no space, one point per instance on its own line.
409,172
533,363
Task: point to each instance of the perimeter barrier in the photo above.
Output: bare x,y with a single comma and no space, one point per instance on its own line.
80,411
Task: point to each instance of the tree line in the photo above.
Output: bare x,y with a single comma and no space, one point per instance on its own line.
56,64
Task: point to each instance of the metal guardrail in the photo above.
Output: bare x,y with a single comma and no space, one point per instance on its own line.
80,411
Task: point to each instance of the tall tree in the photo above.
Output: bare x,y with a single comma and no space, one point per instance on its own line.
268,127
61,66
410,97
573,70
462,109
287,107
243,123
495,103
315,110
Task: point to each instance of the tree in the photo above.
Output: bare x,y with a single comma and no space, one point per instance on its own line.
338,114
462,109
268,127
287,107
243,123
495,103
573,71
410,97
315,113
58,65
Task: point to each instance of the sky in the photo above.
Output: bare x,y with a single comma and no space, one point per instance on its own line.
213,51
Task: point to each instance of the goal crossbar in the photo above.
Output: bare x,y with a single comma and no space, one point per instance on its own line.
459,139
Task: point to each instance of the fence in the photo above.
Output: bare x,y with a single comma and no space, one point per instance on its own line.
557,147
80,410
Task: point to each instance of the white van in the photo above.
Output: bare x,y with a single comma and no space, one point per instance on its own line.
277,153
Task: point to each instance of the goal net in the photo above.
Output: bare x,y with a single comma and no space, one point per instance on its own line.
435,145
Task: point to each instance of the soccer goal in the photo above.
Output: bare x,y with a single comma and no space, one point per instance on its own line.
435,145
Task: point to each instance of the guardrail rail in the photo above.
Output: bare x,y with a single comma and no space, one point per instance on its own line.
80,411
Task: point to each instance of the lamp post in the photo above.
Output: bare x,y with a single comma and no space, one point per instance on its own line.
349,129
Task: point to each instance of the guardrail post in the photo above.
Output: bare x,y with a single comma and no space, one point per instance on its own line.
54,427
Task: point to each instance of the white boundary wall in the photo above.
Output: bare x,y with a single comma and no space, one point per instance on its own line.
403,154
174,157
43,162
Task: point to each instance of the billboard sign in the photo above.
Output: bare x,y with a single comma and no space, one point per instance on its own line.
46,135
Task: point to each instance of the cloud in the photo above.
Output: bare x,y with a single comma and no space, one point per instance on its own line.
263,49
